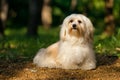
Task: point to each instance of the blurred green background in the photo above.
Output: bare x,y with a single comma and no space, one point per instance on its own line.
19,12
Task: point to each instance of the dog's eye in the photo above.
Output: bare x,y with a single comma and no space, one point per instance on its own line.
79,21
71,21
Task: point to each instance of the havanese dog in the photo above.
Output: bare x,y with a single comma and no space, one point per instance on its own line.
74,50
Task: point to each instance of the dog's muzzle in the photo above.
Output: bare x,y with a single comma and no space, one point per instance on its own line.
74,26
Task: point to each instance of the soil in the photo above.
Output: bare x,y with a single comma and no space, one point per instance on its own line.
108,68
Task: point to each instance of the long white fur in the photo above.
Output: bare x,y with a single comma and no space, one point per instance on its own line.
70,52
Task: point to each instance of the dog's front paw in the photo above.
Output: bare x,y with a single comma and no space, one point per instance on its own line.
88,66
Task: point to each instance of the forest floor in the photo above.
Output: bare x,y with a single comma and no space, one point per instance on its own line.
108,68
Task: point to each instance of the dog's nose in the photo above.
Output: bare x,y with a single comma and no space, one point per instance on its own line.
74,26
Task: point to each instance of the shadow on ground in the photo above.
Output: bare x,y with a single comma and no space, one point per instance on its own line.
105,59
9,69
107,69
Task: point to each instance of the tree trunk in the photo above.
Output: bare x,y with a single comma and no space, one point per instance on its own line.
73,5
35,7
47,14
109,18
3,15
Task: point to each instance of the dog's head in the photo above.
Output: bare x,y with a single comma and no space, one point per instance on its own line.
78,26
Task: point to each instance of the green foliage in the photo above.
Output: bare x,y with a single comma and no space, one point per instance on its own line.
16,46
95,10
108,46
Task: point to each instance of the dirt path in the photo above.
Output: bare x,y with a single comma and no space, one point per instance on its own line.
108,69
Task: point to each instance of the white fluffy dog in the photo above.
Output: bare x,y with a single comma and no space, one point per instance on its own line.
75,48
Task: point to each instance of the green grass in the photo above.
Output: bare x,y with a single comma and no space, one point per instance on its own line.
16,46
108,46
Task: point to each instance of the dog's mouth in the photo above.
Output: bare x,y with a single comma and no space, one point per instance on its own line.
74,32
74,28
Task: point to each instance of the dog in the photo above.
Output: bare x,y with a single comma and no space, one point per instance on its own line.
74,50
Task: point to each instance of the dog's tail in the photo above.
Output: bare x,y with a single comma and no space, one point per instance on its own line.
39,57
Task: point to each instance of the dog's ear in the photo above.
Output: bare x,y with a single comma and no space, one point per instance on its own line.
63,32
90,29
91,33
